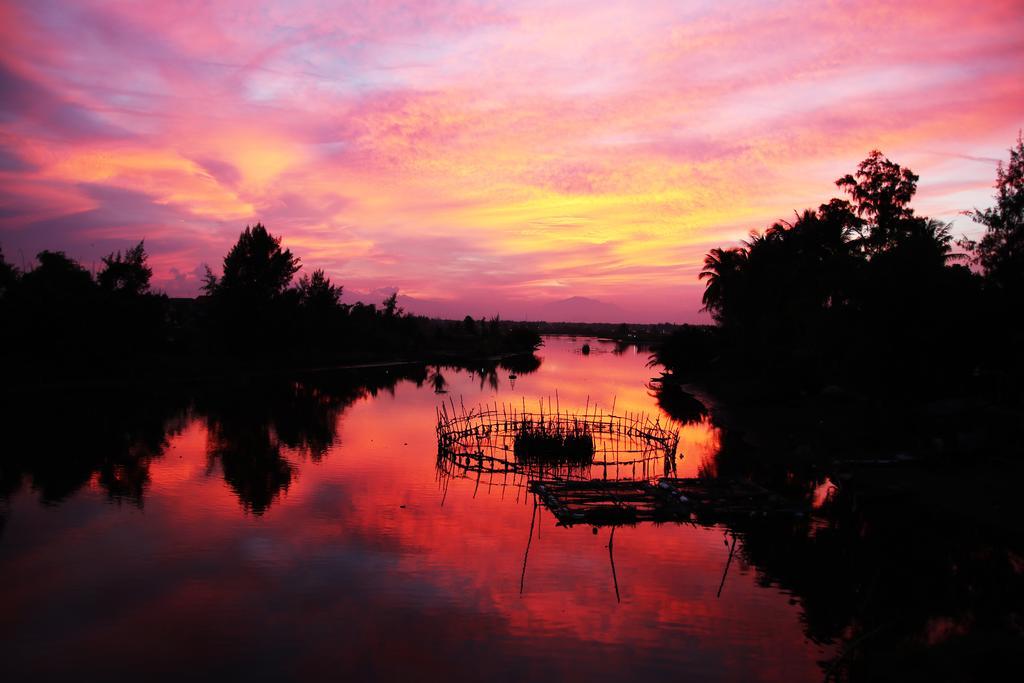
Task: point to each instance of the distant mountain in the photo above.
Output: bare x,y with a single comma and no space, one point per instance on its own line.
576,309
427,307
430,308
580,309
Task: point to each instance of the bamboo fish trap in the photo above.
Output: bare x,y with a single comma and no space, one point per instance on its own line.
510,444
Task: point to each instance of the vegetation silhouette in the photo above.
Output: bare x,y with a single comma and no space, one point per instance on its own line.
58,444
251,299
128,274
8,275
861,292
521,364
891,580
853,345
258,430
677,403
1000,252
553,443
62,323
835,311
104,355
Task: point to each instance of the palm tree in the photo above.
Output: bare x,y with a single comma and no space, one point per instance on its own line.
926,244
938,234
721,270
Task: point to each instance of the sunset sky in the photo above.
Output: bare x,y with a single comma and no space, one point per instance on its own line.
485,157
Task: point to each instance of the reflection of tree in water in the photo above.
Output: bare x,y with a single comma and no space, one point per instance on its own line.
487,373
250,426
57,444
898,593
124,472
677,403
620,348
307,419
898,597
438,381
521,364
250,459
486,370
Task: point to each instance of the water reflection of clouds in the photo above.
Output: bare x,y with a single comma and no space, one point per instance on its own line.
336,574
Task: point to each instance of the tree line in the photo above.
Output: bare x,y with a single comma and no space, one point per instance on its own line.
60,319
863,290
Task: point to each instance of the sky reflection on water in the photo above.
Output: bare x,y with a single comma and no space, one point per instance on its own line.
334,555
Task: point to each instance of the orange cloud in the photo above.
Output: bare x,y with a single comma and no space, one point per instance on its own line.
513,153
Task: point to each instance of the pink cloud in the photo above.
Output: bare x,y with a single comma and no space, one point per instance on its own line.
485,155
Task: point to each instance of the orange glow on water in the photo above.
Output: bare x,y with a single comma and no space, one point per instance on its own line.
427,567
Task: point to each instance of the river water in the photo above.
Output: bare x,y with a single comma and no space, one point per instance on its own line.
303,528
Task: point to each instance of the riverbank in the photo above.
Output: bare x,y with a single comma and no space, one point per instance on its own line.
179,371
950,459
640,334
914,536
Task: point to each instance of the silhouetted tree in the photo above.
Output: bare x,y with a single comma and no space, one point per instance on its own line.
256,267
391,308
881,191
252,308
317,292
130,318
128,274
1000,252
723,272
66,324
8,280
321,313
65,319
53,311
861,283
8,275
792,270
522,338
58,277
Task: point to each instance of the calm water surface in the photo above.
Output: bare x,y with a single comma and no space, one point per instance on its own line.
305,530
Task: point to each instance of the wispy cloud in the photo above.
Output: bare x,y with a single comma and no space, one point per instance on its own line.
480,152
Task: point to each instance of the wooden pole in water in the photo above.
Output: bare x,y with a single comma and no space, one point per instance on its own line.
526,555
611,557
728,562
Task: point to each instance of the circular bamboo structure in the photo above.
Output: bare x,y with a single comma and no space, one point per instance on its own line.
486,443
